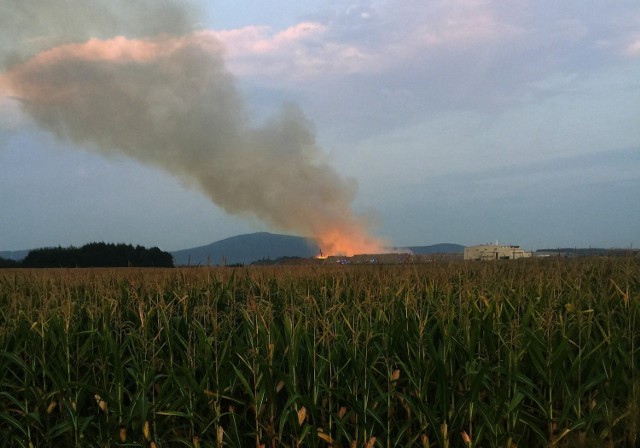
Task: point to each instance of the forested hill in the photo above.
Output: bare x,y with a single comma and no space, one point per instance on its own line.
98,255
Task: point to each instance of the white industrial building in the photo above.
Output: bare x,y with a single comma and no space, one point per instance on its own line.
495,252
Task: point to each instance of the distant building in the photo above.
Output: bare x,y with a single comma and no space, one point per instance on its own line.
495,252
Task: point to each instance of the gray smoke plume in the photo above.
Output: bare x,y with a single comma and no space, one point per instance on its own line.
30,26
167,100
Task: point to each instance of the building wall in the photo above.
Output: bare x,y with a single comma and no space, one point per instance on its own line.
494,252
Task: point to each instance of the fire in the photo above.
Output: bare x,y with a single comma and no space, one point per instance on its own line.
345,243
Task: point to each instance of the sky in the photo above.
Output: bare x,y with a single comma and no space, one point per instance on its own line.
406,123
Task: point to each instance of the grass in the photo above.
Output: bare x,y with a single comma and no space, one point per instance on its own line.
454,354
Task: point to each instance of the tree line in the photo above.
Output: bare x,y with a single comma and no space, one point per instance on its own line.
93,255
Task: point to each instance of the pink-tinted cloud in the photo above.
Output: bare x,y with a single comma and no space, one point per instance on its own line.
301,51
262,40
319,50
460,30
633,49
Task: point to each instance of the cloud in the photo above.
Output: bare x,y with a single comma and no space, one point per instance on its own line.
633,49
314,50
256,40
485,51
465,29
300,52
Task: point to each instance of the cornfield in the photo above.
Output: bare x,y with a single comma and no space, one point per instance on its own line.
527,353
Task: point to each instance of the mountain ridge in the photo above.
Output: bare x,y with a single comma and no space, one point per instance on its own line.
246,248
252,247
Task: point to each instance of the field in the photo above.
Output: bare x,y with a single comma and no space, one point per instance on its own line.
524,353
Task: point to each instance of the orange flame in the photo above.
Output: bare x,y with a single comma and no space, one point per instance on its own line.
348,243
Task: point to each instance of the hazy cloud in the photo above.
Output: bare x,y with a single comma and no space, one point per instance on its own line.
504,46
633,49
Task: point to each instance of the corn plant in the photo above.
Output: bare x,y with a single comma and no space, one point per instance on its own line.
449,354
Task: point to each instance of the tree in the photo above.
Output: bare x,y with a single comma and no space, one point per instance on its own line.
98,255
